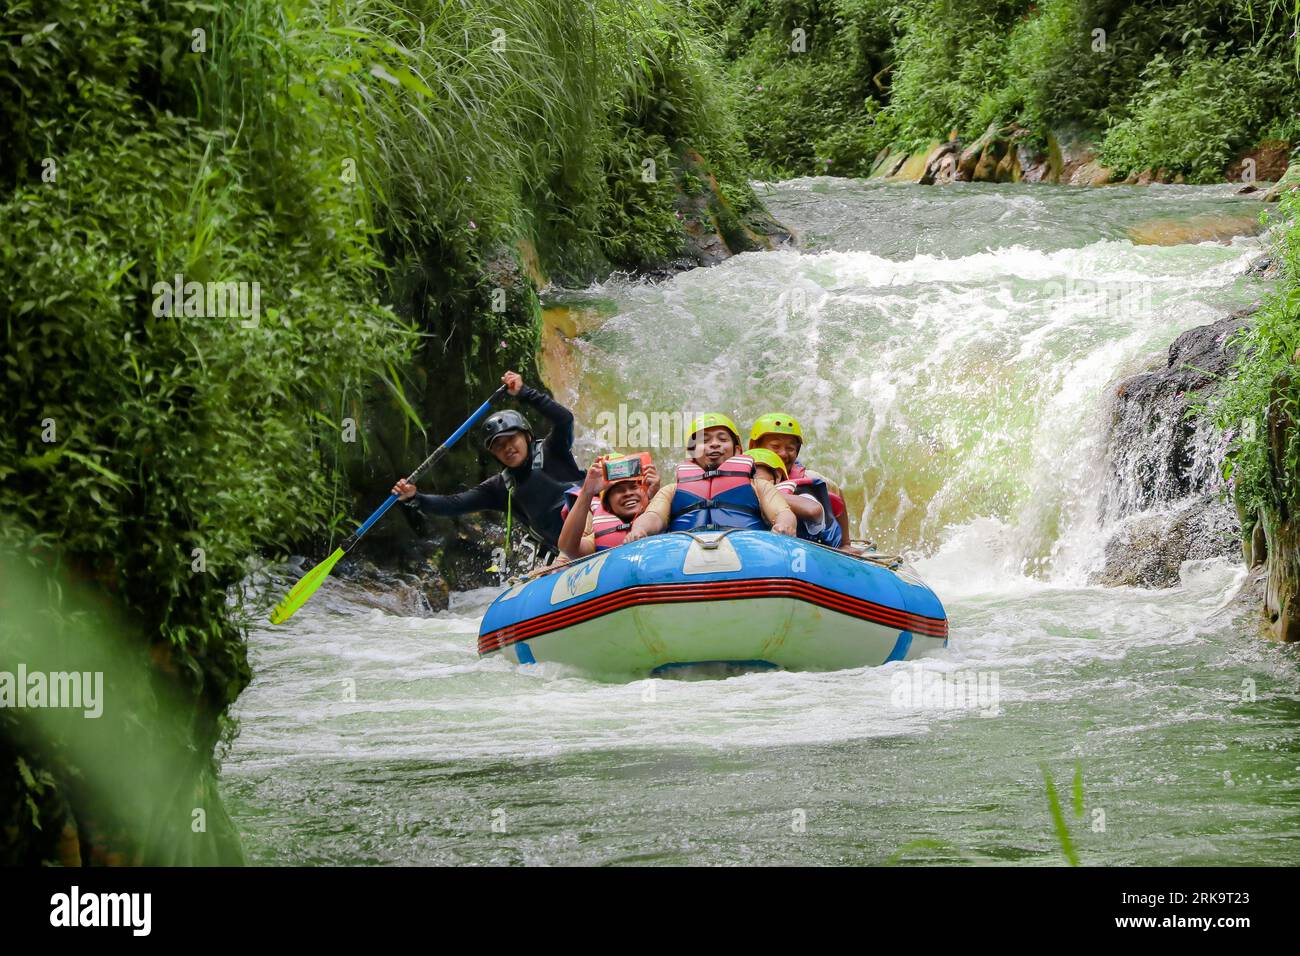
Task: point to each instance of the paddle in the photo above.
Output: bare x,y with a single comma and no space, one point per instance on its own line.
312,580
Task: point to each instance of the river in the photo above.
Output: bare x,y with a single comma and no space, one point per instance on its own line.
950,349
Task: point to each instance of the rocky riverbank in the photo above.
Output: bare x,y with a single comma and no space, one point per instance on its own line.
1164,491
1165,495
1012,154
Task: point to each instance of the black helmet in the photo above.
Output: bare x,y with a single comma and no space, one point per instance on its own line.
504,423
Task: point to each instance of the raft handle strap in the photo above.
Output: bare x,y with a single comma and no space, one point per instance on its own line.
709,544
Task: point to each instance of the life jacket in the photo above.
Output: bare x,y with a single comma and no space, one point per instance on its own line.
837,503
608,528
724,498
539,498
830,533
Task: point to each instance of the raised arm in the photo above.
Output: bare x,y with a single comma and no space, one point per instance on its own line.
574,542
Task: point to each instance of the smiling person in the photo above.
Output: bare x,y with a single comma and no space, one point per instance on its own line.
603,510
811,508
715,488
536,474
781,433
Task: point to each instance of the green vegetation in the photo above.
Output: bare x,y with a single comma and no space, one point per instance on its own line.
1256,405
376,168
382,172
1182,85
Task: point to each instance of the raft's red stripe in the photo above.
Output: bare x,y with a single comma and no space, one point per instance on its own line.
750,588
686,592
660,594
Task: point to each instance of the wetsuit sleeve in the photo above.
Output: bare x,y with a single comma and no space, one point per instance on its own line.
661,504
560,440
488,495
772,501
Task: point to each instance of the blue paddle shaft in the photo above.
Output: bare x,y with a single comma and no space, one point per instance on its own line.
441,450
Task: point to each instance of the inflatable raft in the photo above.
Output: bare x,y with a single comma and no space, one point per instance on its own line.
747,600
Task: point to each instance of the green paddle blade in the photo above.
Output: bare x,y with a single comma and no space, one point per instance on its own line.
304,589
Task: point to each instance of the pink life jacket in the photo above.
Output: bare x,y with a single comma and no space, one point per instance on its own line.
608,528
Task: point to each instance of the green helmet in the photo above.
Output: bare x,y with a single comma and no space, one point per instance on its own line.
764,456
775,423
712,420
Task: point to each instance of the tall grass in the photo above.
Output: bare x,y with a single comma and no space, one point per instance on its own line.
366,163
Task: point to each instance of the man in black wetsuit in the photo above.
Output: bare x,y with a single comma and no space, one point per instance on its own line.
535,476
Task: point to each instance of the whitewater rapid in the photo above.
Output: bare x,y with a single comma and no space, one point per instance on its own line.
949,351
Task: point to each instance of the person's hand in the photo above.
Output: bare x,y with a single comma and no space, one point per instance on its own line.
635,534
513,382
785,523
595,481
651,481
404,490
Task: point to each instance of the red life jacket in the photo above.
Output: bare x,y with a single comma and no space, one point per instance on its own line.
608,528
798,471
724,498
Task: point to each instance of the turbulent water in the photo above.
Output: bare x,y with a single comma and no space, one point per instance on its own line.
949,350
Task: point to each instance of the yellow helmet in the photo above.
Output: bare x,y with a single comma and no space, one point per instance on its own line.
775,423
712,420
765,456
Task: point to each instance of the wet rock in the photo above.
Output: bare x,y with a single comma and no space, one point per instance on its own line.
1267,266
887,164
1157,454
969,158
712,229
1163,493
1248,602
1148,550
1281,523
1289,182
941,164
404,594
1090,173
1035,167
1221,226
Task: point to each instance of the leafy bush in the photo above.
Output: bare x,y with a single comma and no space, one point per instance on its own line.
814,111
1263,381
1194,118
344,158
905,74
